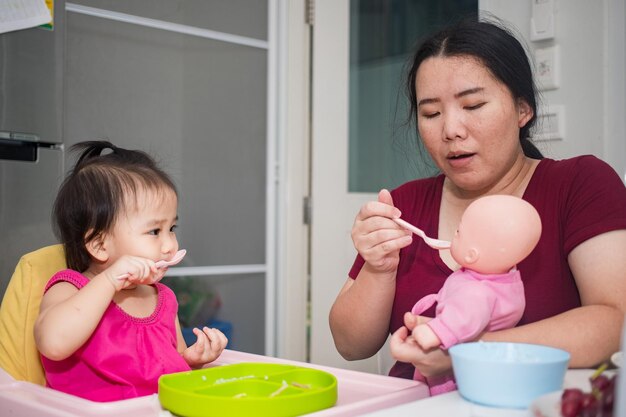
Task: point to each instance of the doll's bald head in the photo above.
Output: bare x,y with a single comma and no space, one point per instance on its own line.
495,234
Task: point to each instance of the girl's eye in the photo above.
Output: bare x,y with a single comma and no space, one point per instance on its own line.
173,228
154,232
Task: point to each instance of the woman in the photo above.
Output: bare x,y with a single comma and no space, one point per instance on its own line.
473,99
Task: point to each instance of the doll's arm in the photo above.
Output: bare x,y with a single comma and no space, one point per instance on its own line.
463,316
425,337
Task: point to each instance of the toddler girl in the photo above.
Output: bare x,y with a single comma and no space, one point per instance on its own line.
107,329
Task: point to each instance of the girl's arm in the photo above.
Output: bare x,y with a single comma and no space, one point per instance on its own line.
209,346
181,344
69,316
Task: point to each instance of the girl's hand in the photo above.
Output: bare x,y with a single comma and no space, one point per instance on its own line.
133,270
376,237
208,347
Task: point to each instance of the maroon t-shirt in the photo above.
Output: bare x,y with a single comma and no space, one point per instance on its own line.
576,198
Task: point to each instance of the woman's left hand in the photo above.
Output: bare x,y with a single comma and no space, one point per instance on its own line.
208,347
431,362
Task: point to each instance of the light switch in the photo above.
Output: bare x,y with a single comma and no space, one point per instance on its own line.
550,124
547,67
542,20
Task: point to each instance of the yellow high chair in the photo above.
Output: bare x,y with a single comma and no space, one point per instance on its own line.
19,309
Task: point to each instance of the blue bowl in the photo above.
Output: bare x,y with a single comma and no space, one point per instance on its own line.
507,375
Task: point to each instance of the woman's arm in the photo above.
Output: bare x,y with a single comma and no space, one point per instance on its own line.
359,318
591,333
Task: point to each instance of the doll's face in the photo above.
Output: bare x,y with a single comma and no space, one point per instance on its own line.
465,246
495,233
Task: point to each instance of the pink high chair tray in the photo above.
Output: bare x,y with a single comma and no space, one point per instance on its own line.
358,393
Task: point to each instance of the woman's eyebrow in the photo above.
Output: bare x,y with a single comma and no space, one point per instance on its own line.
427,101
460,94
469,91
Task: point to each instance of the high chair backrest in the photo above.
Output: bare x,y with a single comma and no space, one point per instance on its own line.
19,310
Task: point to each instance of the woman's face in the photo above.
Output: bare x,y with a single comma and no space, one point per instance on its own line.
469,122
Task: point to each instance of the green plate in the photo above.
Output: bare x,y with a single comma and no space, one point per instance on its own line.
248,389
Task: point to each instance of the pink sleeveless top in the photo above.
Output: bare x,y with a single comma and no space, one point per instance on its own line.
125,355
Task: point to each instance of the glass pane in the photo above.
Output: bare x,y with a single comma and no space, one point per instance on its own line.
383,33
217,301
199,105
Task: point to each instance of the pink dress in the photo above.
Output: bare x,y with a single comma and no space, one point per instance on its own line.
468,304
125,355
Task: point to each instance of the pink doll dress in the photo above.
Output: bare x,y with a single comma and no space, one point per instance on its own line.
125,355
468,304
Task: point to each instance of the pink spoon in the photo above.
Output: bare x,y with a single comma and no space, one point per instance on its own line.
178,256
433,243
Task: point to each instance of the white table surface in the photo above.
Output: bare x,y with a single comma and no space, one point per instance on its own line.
453,405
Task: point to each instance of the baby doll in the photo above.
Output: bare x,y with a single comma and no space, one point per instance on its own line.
486,294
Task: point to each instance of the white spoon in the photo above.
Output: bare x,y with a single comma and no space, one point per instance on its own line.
178,256
433,243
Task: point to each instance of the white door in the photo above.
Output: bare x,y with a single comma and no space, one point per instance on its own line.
360,142
333,207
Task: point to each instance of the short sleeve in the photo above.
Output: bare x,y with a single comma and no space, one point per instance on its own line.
596,202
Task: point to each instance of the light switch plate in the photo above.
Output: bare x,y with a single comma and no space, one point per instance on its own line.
542,20
550,124
547,67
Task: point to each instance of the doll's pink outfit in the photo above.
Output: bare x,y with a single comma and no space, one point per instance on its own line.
125,355
468,304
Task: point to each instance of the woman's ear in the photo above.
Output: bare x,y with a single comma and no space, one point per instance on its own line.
97,247
525,112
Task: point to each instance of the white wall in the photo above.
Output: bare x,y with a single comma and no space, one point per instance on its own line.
590,35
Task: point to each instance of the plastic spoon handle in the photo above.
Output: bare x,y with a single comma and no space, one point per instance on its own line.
178,256
433,243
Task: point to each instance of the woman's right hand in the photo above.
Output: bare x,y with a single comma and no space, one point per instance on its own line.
376,237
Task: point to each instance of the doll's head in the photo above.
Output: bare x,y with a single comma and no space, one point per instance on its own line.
496,232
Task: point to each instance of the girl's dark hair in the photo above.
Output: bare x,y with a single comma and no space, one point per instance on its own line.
97,191
498,50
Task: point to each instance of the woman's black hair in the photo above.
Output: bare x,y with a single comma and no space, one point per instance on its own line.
96,192
497,49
